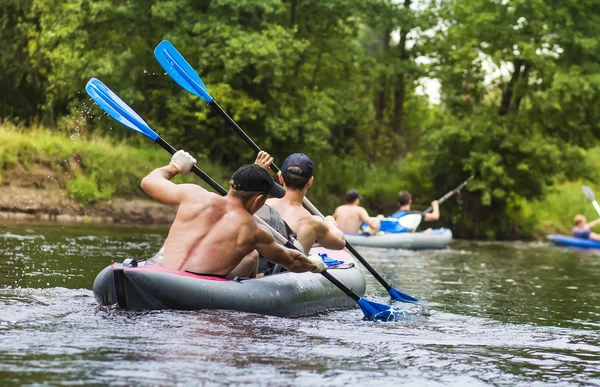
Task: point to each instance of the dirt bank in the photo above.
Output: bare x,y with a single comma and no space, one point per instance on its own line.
53,204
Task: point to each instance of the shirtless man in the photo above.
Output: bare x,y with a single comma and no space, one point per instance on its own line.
297,176
350,216
214,235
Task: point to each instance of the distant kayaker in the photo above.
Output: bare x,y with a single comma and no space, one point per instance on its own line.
297,177
214,235
351,215
405,201
582,228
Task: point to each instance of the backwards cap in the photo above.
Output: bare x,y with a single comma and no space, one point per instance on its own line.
254,178
298,164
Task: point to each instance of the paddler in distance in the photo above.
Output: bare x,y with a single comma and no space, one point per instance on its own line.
351,215
216,236
582,228
404,202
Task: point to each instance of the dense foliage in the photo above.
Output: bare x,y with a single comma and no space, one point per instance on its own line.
341,80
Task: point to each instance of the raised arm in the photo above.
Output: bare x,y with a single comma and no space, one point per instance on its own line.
435,214
291,259
592,224
157,183
329,235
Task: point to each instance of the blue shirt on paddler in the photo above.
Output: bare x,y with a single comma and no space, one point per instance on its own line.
581,233
393,226
398,214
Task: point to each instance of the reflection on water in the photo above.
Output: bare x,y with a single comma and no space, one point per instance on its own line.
501,314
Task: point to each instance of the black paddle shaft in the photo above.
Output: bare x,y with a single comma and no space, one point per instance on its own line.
239,130
217,187
214,185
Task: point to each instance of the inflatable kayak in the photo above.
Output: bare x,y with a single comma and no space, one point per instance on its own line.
436,239
282,294
569,241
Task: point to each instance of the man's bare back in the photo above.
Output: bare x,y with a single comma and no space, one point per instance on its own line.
213,234
202,239
350,216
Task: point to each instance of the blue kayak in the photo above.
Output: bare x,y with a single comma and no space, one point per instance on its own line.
569,241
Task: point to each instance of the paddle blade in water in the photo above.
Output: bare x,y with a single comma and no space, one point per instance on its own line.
587,191
399,296
117,109
180,70
375,311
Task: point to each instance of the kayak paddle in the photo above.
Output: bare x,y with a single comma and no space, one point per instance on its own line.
587,191
121,112
449,194
408,221
184,75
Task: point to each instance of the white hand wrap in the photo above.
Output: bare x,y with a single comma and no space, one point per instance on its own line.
183,161
321,266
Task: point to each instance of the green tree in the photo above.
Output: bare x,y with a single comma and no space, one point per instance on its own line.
22,84
501,129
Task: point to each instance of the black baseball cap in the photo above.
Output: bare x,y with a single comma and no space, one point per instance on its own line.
352,195
254,178
298,164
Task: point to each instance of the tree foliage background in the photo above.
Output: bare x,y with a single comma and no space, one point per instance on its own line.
341,80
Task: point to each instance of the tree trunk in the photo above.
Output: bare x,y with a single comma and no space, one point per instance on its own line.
380,94
293,13
520,72
522,87
400,87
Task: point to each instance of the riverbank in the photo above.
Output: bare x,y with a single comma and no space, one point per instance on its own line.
49,177
26,204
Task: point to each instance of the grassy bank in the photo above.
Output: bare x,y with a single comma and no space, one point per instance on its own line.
94,168
555,213
91,168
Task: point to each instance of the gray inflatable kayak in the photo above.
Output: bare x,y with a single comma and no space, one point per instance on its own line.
436,239
283,294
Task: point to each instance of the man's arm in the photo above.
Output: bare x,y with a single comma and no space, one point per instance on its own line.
328,234
157,183
374,224
435,214
291,259
592,224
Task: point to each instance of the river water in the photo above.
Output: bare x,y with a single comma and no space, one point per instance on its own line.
501,314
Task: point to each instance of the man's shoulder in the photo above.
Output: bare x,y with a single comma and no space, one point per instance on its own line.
343,207
357,209
194,191
271,201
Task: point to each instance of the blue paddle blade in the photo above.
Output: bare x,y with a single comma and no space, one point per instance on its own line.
117,109
399,296
587,191
375,311
180,70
